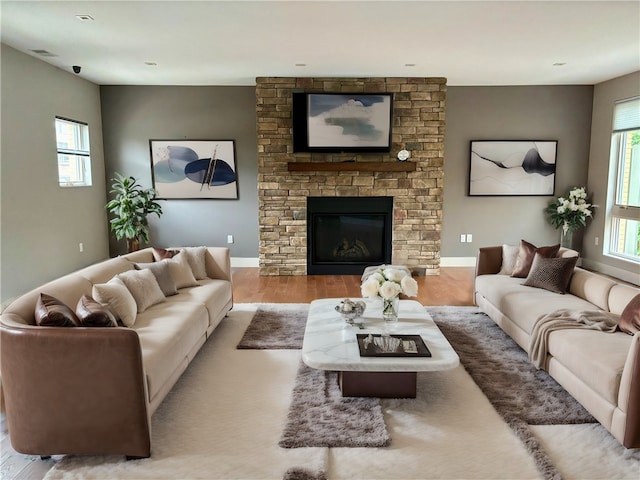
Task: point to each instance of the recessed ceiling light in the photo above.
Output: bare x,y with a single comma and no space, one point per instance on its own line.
151,64
85,18
559,64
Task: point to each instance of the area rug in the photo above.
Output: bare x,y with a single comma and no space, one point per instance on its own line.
319,416
276,326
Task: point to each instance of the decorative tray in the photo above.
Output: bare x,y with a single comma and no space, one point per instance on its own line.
377,345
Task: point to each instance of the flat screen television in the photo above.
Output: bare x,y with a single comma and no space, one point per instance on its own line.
342,122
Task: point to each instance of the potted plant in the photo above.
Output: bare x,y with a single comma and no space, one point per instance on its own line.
570,213
131,206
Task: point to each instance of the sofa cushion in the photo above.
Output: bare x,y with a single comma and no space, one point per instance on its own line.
168,332
509,257
163,276
630,317
526,253
51,312
142,284
93,314
552,274
213,294
115,295
592,287
181,271
597,358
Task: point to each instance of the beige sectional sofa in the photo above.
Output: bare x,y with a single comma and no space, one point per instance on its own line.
92,390
601,370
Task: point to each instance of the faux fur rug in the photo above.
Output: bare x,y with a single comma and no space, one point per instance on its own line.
276,326
319,416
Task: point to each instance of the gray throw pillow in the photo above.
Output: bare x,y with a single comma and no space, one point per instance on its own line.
163,275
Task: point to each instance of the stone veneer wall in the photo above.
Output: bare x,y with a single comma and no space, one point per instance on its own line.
418,125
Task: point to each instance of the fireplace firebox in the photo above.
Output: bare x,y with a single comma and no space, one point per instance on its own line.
347,234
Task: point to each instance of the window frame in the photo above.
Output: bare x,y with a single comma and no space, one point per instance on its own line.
619,212
81,155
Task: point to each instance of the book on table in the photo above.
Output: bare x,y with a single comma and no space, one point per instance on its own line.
379,345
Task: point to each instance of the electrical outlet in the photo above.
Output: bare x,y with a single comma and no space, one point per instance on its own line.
463,238
81,247
596,241
469,238
229,238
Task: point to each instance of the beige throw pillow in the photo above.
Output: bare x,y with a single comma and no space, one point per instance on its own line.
509,257
115,295
181,271
142,284
162,274
196,259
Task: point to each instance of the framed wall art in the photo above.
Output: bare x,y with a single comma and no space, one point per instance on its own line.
194,169
501,167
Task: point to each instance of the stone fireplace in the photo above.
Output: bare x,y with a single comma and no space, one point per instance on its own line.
286,179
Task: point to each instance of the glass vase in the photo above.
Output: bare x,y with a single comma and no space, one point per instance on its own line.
390,309
566,239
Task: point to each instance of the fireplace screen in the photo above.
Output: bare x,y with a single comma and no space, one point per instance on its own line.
347,234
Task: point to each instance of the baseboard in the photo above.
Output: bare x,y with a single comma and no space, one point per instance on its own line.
241,262
458,261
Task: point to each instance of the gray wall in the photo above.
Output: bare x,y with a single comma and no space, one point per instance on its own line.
132,115
605,96
560,113
42,223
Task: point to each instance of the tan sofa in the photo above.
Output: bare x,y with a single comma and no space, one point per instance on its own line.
601,370
92,390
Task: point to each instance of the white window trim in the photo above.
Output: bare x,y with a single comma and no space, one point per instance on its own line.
85,153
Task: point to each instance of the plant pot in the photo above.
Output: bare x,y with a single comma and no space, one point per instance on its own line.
133,245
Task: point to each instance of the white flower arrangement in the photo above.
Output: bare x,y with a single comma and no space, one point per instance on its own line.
570,213
388,283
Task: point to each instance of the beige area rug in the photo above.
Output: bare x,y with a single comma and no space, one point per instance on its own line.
225,416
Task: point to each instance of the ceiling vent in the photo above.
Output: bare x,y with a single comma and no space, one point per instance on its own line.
44,53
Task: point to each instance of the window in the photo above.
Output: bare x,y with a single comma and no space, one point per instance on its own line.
74,160
624,215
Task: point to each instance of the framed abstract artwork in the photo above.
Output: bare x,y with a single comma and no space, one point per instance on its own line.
194,169
501,167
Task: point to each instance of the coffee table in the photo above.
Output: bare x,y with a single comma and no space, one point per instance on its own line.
330,344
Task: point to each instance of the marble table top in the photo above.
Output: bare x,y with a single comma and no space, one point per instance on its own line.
330,343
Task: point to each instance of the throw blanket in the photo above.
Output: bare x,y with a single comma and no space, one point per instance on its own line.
565,318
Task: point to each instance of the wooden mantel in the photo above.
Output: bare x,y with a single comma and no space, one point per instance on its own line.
351,166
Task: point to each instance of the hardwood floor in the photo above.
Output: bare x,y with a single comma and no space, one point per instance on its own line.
454,286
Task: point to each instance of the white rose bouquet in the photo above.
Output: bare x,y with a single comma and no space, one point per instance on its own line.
388,283
570,213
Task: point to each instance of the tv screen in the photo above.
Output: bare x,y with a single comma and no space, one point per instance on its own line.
342,122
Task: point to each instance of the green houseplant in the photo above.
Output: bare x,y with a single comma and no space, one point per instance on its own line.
130,207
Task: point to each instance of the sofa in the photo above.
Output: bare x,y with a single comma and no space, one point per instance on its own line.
600,369
92,388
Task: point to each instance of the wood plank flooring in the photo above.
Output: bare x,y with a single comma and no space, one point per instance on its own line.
454,286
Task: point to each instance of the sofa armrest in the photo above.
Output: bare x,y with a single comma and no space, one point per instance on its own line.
75,391
489,260
629,395
218,263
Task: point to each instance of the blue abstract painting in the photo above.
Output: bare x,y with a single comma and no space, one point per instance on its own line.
512,167
184,169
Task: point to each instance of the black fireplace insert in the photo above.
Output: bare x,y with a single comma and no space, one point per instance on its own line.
347,234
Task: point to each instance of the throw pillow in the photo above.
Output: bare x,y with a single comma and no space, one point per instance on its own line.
553,274
51,312
509,257
162,253
93,314
142,284
630,317
163,276
181,271
115,296
526,252
196,259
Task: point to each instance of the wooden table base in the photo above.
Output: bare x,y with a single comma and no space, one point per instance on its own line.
378,384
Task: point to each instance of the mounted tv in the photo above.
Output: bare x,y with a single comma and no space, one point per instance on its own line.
342,122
